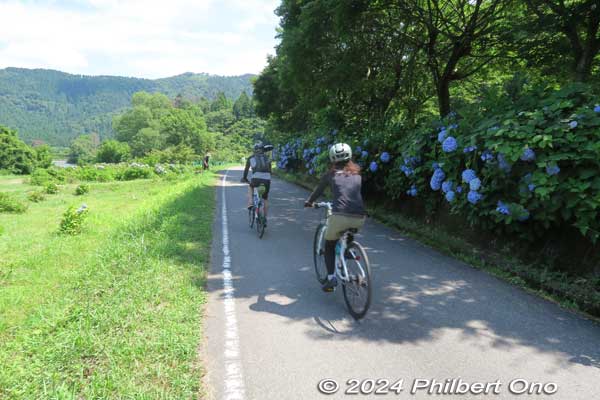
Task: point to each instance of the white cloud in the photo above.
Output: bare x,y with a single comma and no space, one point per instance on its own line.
145,38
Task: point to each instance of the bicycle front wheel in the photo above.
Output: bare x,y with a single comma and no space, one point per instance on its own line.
357,290
319,254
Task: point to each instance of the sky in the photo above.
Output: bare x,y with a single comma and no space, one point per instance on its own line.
138,38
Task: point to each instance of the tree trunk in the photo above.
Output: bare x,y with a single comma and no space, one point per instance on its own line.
443,94
583,67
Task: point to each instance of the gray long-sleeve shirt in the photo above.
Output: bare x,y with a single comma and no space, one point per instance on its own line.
346,190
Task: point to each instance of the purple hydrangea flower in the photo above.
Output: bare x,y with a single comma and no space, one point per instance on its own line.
385,157
446,186
449,144
318,150
573,124
469,149
597,109
502,208
459,189
450,196
358,149
531,187
468,175
311,171
475,184
528,155
373,166
473,197
364,154
552,169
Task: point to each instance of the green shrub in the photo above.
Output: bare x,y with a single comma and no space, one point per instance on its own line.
51,188
35,196
98,173
136,171
9,204
72,220
44,176
82,189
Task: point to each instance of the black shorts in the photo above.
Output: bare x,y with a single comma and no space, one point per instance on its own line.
256,182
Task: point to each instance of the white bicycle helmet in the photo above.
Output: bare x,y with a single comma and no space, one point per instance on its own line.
340,152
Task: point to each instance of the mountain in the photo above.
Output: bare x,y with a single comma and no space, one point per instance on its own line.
55,107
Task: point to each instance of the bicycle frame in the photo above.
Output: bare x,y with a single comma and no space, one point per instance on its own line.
341,273
256,200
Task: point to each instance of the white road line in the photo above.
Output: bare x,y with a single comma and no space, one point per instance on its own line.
234,379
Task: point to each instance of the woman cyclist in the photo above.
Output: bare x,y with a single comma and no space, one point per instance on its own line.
345,181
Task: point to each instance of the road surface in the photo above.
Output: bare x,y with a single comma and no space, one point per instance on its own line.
272,334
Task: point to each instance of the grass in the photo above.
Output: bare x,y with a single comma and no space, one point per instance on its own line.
576,294
116,311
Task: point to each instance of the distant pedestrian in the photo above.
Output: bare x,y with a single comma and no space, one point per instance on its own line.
205,161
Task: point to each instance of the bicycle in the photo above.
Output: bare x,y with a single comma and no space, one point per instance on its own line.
256,213
352,266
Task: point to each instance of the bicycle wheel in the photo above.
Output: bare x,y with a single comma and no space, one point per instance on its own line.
319,254
251,217
260,224
357,290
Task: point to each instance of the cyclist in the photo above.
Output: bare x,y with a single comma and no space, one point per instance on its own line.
261,173
345,182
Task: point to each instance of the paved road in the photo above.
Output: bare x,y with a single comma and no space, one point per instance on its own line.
272,334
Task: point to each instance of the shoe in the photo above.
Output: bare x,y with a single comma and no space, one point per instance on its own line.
330,285
265,222
250,207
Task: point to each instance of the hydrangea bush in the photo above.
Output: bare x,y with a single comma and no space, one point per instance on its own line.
523,166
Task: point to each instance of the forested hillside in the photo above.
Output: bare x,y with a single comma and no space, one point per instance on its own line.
55,107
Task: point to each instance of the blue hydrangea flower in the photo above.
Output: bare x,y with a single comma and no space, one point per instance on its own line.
373,166
449,144
442,135
408,171
503,164
385,157
450,196
435,165
597,109
502,208
473,197
474,184
468,175
469,149
311,171
528,155
412,191
358,149
487,156
552,169
318,150
458,189
334,132
364,154
446,186
452,114
531,187
453,126
436,179
573,124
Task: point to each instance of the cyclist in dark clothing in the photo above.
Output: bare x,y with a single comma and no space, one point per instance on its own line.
260,163
348,209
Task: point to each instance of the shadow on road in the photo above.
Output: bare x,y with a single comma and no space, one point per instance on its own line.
419,293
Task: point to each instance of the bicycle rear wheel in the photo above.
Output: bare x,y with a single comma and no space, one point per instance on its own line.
357,290
251,217
260,224
319,254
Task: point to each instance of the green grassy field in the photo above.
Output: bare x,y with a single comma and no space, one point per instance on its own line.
116,311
